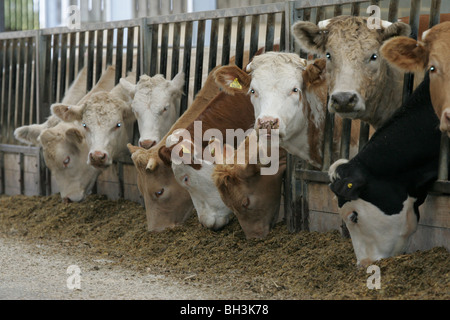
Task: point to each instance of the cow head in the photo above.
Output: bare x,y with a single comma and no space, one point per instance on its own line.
359,79
167,203
431,54
156,105
65,151
107,122
253,197
196,177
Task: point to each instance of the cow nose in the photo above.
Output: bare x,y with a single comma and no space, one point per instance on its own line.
147,144
344,101
98,157
268,123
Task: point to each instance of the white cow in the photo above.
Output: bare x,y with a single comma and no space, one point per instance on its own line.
107,120
156,106
63,144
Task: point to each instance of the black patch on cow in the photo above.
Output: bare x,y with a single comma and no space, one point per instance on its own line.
400,159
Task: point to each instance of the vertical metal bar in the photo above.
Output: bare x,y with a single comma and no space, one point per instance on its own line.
6,90
63,67
22,173
154,50
393,10
28,83
337,10
282,32
320,14
355,10
42,73
54,69
186,64
176,49
144,42
2,89
240,39
254,36
164,49
435,10
130,50
199,50
119,55
213,41
72,55
81,50
21,89
345,138
90,61
328,141
270,31
444,158
226,42
363,135
13,86
109,47
99,55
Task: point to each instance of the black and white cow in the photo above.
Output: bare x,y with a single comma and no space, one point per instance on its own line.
379,191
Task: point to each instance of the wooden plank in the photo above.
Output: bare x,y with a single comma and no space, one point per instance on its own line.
323,221
321,198
427,237
435,211
12,162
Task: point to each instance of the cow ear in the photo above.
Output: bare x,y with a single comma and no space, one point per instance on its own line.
405,53
47,137
128,87
232,79
165,154
67,113
133,148
75,136
310,37
315,72
178,82
29,134
396,29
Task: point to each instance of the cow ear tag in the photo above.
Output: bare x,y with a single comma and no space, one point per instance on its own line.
350,185
235,84
186,150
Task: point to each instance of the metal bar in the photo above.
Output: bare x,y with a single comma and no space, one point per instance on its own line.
154,50
28,84
19,119
435,9
226,41
186,65
81,50
72,55
109,46
254,36
199,52
356,9
393,10
54,69
22,173
13,91
240,39
2,82
119,56
175,49
99,55
130,50
328,141
26,150
283,32
164,49
270,31
364,132
6,85
444,158
63,67
90,61
213,41
345,138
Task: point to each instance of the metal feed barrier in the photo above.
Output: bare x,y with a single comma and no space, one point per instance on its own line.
38,66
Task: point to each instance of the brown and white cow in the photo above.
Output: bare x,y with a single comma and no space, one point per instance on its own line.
431,54
361,84
227,117
107,120
63,144
156,105
167,203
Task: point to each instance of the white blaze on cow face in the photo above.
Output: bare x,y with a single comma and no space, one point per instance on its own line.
156,106
376,235
276,94
65,151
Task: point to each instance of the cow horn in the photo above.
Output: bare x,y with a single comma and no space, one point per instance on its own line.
425,33
249,67
151,165
385,23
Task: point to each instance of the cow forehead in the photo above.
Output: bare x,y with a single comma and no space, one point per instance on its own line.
109,111
277,77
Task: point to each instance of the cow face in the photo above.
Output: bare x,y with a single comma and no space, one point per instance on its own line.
197,180
65,151
275,87
107,123
376,235
358,77
167,203
431,54
156,106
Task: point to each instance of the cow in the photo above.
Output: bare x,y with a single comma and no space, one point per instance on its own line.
361,84
63,144
156,106
379,191
167,203
224,112
107,120
432,54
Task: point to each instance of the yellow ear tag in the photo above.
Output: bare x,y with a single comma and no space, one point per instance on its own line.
186,150
235,84
350,185
213,151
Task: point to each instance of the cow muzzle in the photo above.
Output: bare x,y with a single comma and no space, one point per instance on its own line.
147,144
344,102
267,123
98,159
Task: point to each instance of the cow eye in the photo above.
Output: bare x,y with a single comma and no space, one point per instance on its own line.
374,57
166,108
252,91
432,69
354,217
66,161
118,125
185,179
295,90
85,126
159,193
246,203
328,55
